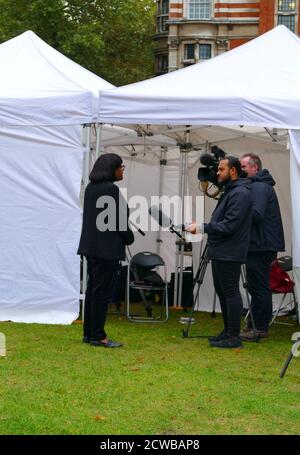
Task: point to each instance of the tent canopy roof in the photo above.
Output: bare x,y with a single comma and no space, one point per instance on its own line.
40,86
248,85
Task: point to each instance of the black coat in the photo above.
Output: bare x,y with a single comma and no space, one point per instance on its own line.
229,228
108,242
267,231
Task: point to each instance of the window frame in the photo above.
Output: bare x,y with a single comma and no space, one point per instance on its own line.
162,18
287,13
187,10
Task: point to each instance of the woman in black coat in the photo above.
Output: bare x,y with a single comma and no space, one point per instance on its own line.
105,232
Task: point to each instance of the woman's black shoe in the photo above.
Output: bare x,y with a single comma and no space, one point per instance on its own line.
107,344
229,342
222,336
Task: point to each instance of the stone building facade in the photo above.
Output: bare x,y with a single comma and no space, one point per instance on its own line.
190,31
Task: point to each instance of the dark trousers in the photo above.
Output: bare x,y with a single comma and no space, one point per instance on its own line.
226,277
258,279
100,287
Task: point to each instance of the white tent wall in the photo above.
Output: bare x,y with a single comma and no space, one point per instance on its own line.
295,192
41,170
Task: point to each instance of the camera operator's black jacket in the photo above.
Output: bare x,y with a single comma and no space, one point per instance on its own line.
106,244
267,231
230,224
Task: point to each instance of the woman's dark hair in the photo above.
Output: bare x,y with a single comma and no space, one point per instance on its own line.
105,167
233,161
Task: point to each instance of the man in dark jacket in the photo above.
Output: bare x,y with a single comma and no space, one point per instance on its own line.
228,242
266,240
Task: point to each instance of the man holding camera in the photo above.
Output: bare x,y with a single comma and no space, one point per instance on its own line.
228,242
266,240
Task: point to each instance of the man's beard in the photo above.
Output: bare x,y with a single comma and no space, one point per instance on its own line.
224,182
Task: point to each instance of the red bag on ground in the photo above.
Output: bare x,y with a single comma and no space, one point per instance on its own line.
280,281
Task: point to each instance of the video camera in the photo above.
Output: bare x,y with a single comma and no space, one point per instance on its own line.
210,161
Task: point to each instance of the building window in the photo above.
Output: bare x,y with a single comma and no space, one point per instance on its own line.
189,51
204,51
199,9
287,13
165,6
288,21
162,63
286,5
162,15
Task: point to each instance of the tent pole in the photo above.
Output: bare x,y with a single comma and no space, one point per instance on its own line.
98,139
175,301
86,168
181,245
162,162
184,152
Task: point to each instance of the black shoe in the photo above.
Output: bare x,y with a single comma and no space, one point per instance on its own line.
230,342
221,336
86,340
107,344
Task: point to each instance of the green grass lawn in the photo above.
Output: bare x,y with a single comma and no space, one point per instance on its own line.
158,383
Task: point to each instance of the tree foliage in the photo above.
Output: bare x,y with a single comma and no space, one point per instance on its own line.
112,38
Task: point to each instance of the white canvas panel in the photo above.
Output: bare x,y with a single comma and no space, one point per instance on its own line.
295,192
41,170
297,282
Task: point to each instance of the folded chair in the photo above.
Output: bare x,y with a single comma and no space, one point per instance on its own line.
143,275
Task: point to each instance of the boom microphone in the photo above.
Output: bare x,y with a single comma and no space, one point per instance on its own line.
159,216
164,221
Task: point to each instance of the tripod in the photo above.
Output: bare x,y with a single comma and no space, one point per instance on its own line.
199,277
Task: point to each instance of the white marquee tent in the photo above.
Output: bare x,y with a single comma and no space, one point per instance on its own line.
43,106
44,99
247,86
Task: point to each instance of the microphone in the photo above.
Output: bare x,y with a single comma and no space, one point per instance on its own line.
164,221
136,227
159,216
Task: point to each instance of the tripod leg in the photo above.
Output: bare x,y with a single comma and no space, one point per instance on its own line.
185,333
287,362
200,276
